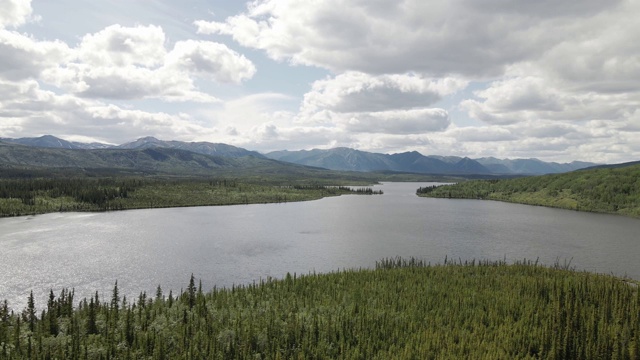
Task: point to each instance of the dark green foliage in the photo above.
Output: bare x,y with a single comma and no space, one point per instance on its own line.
403,309
608,190
29,314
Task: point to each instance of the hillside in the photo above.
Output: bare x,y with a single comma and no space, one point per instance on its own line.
49,141
614,190
27,160
22,162
530,166
206,148
165,161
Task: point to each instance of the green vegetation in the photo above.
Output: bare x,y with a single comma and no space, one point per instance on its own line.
401,309
17,161
37,196
607,190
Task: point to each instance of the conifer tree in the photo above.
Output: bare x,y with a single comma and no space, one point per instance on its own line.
92,328
30,312
191,292
115,302
51,314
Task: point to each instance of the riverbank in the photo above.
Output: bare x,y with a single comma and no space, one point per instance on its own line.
607,190
40,196
401,309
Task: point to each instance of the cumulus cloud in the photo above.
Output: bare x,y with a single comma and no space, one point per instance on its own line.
585,87
27,110
133,63
123,46
558,75
552,79
415,121
210,59
395,104
483,134
435,38
601,57
530,98
24,57
14,12
358,92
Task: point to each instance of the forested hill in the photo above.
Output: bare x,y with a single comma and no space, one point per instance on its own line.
154,160
608,190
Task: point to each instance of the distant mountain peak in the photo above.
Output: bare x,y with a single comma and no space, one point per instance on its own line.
201,147
339,158
149,139
412,161
48,137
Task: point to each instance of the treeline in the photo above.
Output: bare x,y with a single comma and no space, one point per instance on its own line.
401,309
357,190
612,190
37,196
90,191
360,190
32,196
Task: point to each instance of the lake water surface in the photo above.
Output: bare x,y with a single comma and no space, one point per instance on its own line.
227,245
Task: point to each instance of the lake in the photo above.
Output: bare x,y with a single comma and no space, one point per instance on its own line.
241,244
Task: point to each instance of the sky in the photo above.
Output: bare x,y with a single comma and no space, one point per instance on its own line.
548,79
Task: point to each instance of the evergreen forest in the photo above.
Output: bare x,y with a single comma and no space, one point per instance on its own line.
44,195
402,309
607,190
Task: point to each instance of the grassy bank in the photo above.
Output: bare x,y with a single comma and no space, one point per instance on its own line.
612,190
38,196
400,310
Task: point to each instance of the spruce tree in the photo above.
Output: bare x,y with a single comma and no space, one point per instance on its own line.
51,314
115,302
92,328
30,312
191,292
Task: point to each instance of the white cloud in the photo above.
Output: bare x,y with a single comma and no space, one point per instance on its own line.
435,38
633,121
210,59
415,121
23,57
271,137
126,83
481,134
129,63
360,92
14,12
602,56
554,79
123,46
28,110
520,99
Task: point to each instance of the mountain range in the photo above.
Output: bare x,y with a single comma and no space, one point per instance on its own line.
355,160
343,159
